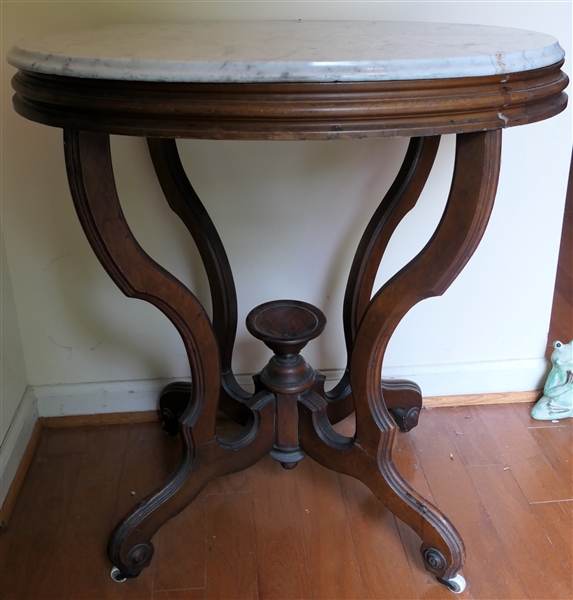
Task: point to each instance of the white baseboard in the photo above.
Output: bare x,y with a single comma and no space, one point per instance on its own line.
99,398
435,380
16,441
487,377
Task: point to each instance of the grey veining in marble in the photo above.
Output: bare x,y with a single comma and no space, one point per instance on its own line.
283,51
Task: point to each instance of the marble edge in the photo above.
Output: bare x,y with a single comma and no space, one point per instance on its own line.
284,71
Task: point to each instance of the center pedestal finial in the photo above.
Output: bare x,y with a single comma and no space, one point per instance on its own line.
286,326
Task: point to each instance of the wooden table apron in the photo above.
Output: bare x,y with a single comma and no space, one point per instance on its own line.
293,419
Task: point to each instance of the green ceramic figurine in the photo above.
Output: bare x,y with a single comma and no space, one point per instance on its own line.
557,400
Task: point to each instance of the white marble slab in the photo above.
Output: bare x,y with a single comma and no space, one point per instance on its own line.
287,51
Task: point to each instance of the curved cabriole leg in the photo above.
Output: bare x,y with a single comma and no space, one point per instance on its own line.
204,456
442,550
368,457
129,547
90,174
403,397
185,203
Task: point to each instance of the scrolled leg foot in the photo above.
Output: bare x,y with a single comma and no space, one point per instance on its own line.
434,559
140,556
172,403
403,399
436,563
406,419
131,561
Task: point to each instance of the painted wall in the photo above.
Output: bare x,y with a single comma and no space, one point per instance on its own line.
13,377
290,215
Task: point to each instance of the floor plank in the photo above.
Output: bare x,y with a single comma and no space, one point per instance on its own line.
180,556
512,516
187,594
556,521
83,564
375,535
282,563
72,440
37,524
532,470
474,443
231,568
556,443
332,565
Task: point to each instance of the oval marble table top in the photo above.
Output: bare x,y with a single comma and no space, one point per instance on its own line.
287,51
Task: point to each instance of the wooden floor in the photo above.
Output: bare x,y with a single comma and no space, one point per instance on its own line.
503,479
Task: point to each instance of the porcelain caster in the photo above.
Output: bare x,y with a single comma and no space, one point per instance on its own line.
456,585
117,575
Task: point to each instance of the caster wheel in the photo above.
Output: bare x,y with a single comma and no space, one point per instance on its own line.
456,585
117,575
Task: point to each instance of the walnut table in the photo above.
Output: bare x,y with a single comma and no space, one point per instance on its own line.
288,80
